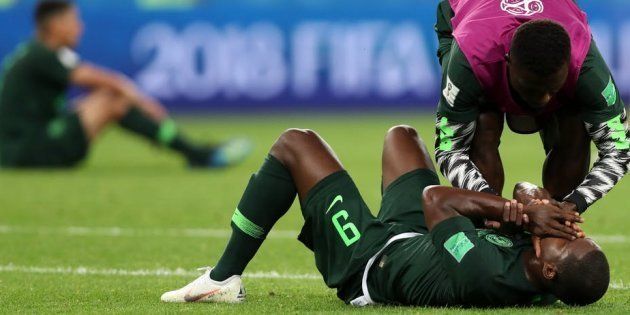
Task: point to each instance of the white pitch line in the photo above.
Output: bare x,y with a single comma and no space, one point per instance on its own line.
192,233
160,272
133,232
178,272
619,285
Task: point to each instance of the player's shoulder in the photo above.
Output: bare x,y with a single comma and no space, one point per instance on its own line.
458,65
597,93
461,90
37,52
31,52
35,49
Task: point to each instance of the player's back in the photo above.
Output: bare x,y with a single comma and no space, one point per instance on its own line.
451,266
33,89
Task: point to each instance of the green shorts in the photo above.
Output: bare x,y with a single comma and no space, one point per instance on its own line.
342,232
62,143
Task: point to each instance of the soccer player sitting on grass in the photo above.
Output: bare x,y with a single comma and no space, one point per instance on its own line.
36,130
421,249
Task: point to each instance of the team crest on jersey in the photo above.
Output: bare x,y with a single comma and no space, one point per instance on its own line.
522,7
499,240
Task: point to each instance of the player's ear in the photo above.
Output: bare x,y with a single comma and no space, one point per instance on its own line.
549,271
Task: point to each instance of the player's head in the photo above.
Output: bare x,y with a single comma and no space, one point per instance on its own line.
538,62
58,20
576,272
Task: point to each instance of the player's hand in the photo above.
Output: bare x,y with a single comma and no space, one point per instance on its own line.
495,225
536,245
525,192
536,239
513,217
543,219
568,206
579,230
127,88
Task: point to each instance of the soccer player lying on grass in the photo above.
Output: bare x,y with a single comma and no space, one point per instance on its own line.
421,249
36,130
535,65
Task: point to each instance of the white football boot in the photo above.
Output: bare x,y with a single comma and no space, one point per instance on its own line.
204,289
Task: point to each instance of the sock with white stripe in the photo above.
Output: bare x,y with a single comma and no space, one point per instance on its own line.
266,199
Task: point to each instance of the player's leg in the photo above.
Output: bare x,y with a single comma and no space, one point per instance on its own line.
308,158
297,162
403,151
64,141
485,149
568,150
102,107
149,120
407,170
99,109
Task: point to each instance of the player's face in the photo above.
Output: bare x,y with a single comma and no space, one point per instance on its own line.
554,250
68,27
536,91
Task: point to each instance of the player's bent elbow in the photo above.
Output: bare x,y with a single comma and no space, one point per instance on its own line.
435,210
431,195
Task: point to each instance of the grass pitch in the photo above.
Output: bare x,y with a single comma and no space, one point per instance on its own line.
132,222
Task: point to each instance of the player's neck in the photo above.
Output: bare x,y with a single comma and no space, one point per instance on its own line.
49,41
533,270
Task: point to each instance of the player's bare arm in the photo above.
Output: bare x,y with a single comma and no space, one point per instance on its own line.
97,78
442,203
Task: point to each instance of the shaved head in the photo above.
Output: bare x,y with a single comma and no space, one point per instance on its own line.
584,275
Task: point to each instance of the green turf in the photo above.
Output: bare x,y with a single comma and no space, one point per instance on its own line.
148,192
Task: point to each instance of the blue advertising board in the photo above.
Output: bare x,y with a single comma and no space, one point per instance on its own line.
274,54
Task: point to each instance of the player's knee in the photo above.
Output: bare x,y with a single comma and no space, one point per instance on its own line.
403,131
119,106
290,142
294,138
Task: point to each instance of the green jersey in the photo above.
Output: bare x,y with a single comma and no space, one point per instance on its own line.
33,88
455,264
596,94
596,99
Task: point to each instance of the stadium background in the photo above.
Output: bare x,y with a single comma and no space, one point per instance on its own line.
238,55
131,222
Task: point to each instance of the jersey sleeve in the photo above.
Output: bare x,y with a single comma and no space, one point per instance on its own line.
612,139
55,66
597,94
605,121
452,154
461,92
444,29
456,123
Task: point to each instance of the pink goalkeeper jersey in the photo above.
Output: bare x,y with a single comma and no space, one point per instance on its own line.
484,29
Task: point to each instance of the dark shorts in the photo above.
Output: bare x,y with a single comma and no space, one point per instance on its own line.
62,143
342,232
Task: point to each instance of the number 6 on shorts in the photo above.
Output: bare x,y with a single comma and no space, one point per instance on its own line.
348,227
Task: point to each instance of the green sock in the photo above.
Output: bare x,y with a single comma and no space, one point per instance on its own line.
164,133
266,199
